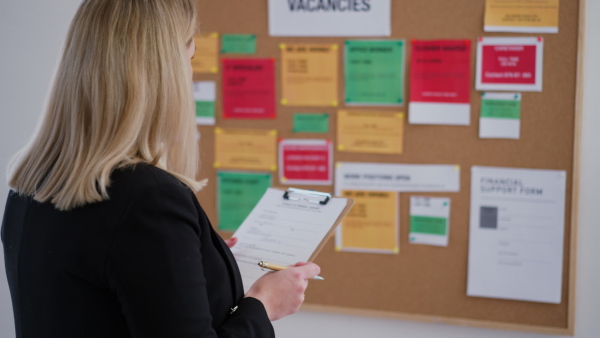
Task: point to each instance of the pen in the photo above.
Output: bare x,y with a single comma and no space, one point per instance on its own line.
277,267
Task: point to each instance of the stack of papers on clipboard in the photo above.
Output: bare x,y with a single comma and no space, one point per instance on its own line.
286,227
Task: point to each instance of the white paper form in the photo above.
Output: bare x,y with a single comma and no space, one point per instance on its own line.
282,231
429,220
516,234
396,177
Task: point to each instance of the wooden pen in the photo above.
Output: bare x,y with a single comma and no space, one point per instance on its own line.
277,267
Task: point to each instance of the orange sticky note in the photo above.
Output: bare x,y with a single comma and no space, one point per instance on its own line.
206,59
516,16
372,224
309,74
246,149
363,131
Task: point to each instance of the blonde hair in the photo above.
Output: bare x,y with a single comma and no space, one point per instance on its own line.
122,95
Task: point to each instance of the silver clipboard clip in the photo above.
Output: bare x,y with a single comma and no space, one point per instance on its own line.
311,196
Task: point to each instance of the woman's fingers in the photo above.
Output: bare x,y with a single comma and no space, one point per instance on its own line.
282,292
231,242
309,269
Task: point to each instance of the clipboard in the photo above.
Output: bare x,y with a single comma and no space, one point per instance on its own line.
322,198
286,227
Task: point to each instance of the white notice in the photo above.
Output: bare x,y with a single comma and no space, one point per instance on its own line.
396,177
205,95
330,18
516,234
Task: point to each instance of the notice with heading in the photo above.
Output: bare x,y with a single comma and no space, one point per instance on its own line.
516,234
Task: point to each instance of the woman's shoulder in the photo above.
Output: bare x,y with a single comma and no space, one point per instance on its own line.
143,176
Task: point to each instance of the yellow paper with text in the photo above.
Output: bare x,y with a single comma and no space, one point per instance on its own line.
521,13
309,74
370,131
372,223
246,149
206,59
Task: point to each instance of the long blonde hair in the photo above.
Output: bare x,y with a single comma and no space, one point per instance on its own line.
122,95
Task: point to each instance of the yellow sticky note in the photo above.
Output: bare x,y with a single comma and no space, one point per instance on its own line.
206,59
372,223
309,74
246,149
370,131
539,16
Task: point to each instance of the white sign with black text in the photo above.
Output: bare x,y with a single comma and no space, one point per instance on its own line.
330,17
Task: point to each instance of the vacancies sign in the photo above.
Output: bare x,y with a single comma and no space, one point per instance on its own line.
330,17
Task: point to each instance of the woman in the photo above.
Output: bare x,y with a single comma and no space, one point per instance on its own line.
103,235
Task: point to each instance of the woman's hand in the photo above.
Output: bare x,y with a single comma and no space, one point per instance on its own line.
231,242
282,292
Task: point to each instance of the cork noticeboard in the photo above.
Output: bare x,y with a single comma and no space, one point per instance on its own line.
421,282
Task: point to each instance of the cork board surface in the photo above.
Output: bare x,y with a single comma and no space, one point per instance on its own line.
429,282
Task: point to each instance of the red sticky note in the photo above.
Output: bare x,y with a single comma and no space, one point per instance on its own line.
248,88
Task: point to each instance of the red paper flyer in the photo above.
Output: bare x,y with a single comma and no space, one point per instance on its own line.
440,82
511,64
305,161
248,88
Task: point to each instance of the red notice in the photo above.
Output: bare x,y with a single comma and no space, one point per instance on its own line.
440,71
305,162
440,82
513,64
248,88
508,64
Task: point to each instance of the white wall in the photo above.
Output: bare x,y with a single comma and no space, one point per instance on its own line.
31,37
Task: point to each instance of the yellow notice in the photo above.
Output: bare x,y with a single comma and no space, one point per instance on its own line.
370,131
246,149
309,74
521,16
372,223
206,59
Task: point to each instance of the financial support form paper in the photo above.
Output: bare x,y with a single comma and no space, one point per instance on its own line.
283,231
516,234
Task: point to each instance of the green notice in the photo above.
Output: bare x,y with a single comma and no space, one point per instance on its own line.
237,195
501,109
238,44
374,72
205,109
311,123
429,225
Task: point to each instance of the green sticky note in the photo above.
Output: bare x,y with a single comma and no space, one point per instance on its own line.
374,72
501,109
237,194
311,123
428,225
238,44
205,109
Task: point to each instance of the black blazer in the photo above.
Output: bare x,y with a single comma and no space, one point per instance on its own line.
145,263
